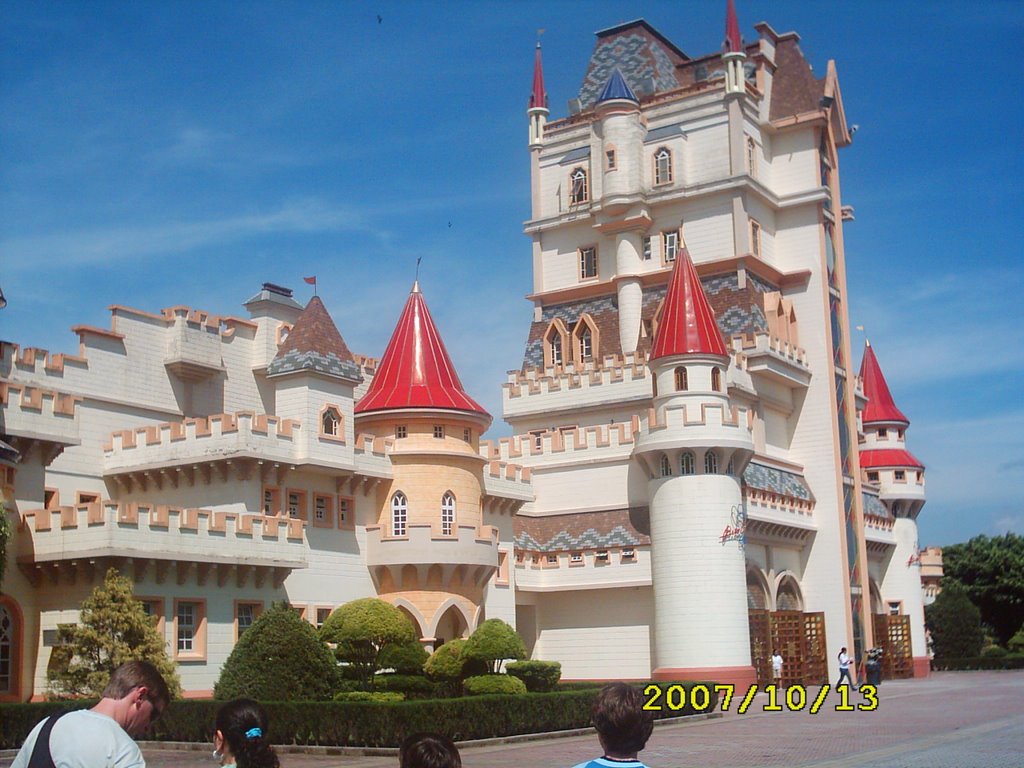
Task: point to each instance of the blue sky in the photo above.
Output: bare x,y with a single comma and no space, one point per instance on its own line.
161,153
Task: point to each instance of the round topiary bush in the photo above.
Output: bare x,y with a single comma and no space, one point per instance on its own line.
362,629
405,659
539,676
278,658
493,642
482,685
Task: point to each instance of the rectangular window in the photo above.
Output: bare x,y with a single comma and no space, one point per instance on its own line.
321,616
154,609
538,440
669,245
300,611
401,431
323,509
467,435
271,501
186,627
501,577
628,554
576,558
899,475
588,263
755,238
87,498
883,432
297,504
346,512
439,431
648,247
601,556
245,614
552,559
190,628
895,608
51,498
320,509
872,477
610,159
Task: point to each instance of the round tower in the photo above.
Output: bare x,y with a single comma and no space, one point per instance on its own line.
429,552
694,449
621,135
886,462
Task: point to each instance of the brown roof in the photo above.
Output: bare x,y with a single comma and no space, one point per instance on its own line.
315,343
795,89
584,530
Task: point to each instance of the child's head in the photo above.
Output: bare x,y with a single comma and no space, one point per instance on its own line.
620,719
429,750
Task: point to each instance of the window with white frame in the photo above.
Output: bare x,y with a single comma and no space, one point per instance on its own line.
401,431
686,463
588,263
399,514
555,348
575,558
439,431
579,191
662,166
710,463
666,466
586,344
552,559
751,157
448,514
647,247
246,616
669,245
330,422
188,623
538,439
755,238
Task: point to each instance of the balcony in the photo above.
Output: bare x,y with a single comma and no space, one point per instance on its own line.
471,555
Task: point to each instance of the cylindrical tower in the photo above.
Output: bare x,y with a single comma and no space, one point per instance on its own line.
694,449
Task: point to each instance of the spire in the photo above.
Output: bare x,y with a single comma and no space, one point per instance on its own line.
314,344
687,324
416,371
733,42
617,88
880,405
539,97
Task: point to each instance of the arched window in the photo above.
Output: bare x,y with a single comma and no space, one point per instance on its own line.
554,343
330,422
447,514
666,466
751,158
716,379
579,191
10,640
586,344
710,463
682,384
731,467
662,166
686,463
399,514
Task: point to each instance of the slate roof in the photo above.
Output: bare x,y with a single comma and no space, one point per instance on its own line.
630,527
314,344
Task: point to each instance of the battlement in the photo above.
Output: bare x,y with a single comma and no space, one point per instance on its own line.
374,445
685,415
561,442
612,369
746,345
223,325
44,401
367,364
772,500
41,414
35,359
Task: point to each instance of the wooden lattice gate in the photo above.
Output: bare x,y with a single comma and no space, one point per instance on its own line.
800,638
892,633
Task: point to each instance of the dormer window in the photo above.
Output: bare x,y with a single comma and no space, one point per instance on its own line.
576,558
662,166
628,553
555,349
579,191
330,422
601,556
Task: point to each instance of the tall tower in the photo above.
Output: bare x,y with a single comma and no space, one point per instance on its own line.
733,55
538,107
429,552
695,449
885,460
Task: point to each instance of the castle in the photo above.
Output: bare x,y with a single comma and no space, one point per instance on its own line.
696,472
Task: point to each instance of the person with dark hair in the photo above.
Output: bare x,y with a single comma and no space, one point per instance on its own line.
240,740
429,750
623,727
133,699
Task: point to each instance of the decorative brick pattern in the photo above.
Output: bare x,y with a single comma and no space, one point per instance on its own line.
638,55
778,481
584,530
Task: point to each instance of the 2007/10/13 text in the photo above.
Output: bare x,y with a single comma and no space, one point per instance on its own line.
794,698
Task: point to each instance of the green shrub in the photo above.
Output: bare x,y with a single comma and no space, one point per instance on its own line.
994,652
955,624
539,676
379,697
1016,643
278,658
482,685
362,629
413,686
492,643
405,659
449,663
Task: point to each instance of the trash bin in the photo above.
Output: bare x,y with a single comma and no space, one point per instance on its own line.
874,670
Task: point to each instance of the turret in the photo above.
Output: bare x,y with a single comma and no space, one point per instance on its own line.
429,550
538,108
886,462
694,451
733,54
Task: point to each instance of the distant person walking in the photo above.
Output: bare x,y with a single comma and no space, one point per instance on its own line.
240,740
844,668
102,736
777,668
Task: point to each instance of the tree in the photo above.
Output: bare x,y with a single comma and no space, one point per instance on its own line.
278,658
405,659
113,628
1016,644
362,629
6,536
955,624
991,571
492,643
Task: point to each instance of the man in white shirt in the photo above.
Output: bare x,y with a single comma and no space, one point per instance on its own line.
102,736
844,669
777,667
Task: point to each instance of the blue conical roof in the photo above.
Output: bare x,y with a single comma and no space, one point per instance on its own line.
617,88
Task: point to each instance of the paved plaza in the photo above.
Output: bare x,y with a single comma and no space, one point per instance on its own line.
951,720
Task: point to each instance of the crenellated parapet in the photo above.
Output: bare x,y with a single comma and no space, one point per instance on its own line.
763,352
34,415
196,319
612,369
35,360
563,442
64,541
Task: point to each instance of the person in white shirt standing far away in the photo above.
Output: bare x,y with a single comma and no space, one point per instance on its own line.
844,669
777,668
102,736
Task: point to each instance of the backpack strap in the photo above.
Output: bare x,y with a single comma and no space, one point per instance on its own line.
41,757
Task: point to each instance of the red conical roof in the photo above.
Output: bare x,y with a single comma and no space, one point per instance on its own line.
539,97
733,41
880,405
416,371
687,324
873,458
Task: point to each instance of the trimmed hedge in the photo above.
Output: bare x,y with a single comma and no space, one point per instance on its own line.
503,685
413,686
346,723
1010,661
539,676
